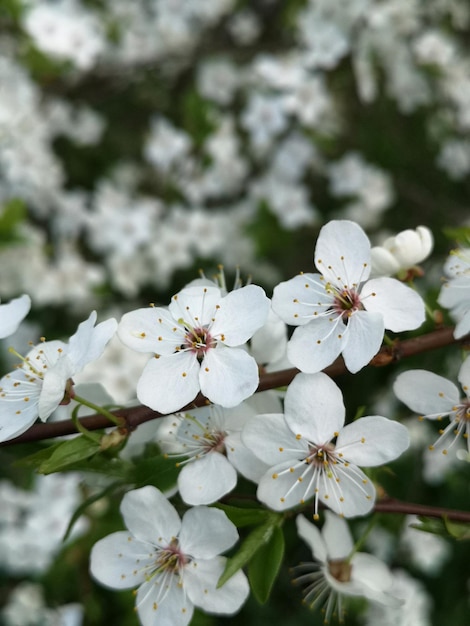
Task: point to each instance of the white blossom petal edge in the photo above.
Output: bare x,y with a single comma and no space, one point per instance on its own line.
175,563
12,314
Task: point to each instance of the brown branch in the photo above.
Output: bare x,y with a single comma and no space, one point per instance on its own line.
133,416
390,505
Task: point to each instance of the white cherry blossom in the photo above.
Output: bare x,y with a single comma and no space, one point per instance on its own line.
402,252
44,379
197,344
12,314
339,311
211,452
337,570
312,454
455,294
174,562
434,397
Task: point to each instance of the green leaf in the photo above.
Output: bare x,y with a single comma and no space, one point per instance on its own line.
432,525
443,527
102,464
34,460
458,530
460,235
244,517
264,567
258,537
158,471
67,453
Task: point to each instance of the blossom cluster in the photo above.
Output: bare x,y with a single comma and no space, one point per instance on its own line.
140,140
298,451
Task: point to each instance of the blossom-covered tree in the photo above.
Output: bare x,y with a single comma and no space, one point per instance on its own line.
238,191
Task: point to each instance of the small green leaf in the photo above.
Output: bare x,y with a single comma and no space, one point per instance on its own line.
244,517
158,471
458,530
265,564
258,537
433,525
460,235
34,460
67,453
443,527
103,464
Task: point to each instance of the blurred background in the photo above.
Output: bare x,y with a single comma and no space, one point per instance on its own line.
143,141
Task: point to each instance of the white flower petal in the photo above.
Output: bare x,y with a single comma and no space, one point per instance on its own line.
312,537
410,247
149,516
88,343
342,253
426,393
454,294
372,441
462,327
269,343
240,314
268,437
200,583
228,376
195,305
383,262
286,485
316,345
243,459
364,337
17,415
206,532
150,330
119,561
337,536
53,387
314,407
296,301
12,314
401,307
169,382
207,479
162,602
464,376
374,577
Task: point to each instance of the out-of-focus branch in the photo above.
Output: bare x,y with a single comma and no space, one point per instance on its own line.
390,505
133,416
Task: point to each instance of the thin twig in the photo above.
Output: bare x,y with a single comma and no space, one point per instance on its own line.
390,505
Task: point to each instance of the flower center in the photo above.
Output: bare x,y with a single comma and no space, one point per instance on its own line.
341,570
199,341
320,456
214,441
462,414
346,301
170,559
